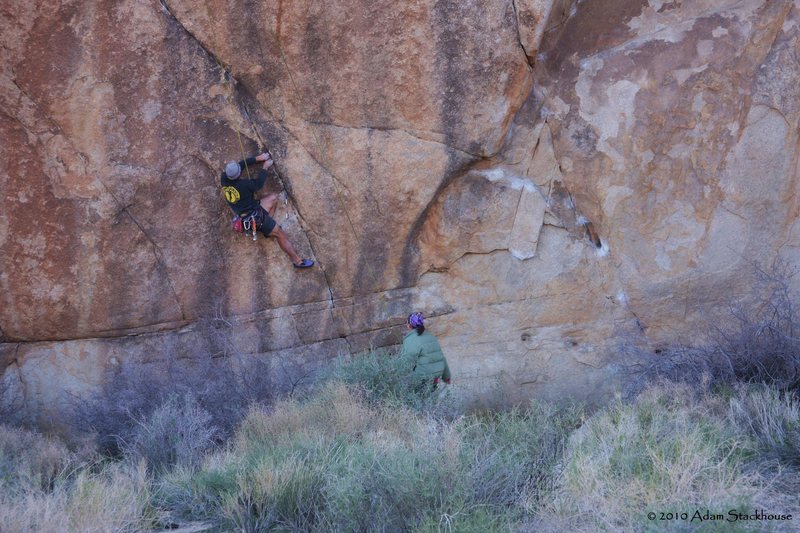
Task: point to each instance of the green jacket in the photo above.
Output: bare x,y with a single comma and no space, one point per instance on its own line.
427,356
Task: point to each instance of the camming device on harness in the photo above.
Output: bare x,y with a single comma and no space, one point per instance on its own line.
248,223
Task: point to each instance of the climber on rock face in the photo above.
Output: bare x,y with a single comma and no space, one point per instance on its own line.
240,195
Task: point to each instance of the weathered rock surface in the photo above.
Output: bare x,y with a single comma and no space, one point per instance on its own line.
541,177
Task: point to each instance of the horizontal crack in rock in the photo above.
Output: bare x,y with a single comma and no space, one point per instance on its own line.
410,133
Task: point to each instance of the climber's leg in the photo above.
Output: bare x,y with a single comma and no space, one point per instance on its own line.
270,203
285,244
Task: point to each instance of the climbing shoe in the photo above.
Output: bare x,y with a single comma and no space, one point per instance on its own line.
305,263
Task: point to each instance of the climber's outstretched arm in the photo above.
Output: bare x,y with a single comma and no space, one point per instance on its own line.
261,179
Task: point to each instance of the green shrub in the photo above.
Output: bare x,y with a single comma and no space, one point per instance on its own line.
670,450
342,462
384,376
286,492
194,494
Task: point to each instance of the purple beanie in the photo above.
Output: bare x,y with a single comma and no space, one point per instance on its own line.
416,320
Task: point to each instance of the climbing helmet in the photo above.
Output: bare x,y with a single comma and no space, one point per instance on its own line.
233,170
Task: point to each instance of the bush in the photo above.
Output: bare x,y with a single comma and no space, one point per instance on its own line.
385,376
341,462
31,461
762,342
672,450
133,392
758,341
177,432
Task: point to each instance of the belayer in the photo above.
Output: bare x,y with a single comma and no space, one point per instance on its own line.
257,214
423,349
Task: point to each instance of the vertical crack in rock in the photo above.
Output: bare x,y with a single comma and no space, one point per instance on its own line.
519,35
240,94
287,186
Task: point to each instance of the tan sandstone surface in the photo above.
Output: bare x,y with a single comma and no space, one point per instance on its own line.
545,179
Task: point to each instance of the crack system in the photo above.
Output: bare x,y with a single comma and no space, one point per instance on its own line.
244,111
123,208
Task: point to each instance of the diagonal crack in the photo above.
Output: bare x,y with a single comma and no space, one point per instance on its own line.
519,35
159,256
157,253
200,43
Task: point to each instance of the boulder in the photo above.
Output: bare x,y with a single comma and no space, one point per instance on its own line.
547,180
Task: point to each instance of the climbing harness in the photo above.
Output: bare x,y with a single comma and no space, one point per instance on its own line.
248,223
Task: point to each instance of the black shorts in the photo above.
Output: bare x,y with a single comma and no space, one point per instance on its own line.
264,223
267,222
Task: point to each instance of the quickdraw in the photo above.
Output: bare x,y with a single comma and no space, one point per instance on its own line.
250,224
247,224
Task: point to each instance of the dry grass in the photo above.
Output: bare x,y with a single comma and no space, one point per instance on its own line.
29,460
337,411
115,499
672,450
349,459
342,462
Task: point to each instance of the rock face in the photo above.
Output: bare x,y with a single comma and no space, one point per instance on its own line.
542,177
